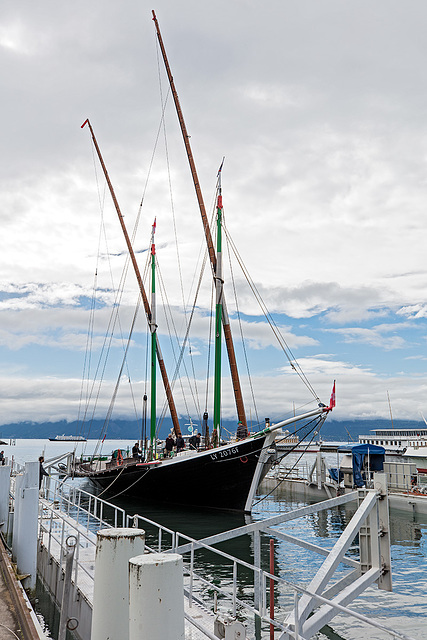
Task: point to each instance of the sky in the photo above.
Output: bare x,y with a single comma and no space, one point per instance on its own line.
318,107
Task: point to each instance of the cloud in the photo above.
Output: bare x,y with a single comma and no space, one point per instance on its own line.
373,337
324,183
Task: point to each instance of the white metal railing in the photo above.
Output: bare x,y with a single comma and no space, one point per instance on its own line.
162,531
75,511
58,528
83,506
228,589
401,476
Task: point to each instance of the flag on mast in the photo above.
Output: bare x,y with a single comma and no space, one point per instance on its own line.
332,400
153,231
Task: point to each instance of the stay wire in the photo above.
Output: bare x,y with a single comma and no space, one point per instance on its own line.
316,421
116,387
239,317
273,325
171,326
184,342
102,358
210,341
112,323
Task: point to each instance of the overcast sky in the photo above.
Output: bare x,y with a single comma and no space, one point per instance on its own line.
319,107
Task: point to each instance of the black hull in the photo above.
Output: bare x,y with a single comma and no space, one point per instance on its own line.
219,478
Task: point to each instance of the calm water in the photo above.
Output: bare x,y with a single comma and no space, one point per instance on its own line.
405,609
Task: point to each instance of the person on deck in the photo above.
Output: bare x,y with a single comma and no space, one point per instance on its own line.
242,431
136,451
195,441
169,445
42,471
2,460
180,444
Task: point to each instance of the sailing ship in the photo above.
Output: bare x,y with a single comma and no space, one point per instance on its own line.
216,475
65,438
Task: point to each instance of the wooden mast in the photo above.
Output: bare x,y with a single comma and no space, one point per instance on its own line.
225,319
160,360
219,283
153,329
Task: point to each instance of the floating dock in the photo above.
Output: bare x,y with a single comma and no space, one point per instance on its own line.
407,489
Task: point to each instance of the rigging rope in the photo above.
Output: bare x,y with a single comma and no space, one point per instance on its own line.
184,343
241,331
276,330
116,388
317,421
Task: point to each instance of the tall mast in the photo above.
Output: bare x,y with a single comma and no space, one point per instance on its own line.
153,328
219,282
225,319
160,360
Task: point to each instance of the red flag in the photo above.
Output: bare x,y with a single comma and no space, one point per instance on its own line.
332,400
153,231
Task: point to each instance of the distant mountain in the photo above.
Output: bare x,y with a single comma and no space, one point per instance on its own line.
342,430
349,430
117,429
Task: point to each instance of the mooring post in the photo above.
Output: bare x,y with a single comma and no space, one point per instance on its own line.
156,597
4,496
114,548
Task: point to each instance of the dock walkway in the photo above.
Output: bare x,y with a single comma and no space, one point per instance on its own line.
17,618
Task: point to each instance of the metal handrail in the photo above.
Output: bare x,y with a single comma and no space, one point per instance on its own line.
73,499
264,578
65,526
76,501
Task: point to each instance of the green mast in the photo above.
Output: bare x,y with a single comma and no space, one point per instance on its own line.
219,282
153,328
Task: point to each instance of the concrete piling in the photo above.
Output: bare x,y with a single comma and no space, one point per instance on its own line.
156,597
114,548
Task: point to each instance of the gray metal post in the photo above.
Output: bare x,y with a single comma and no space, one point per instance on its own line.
365,538
257,563
4,496
16,509
64,617
25,525
380,484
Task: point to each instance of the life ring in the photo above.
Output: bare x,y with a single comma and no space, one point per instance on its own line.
244,460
